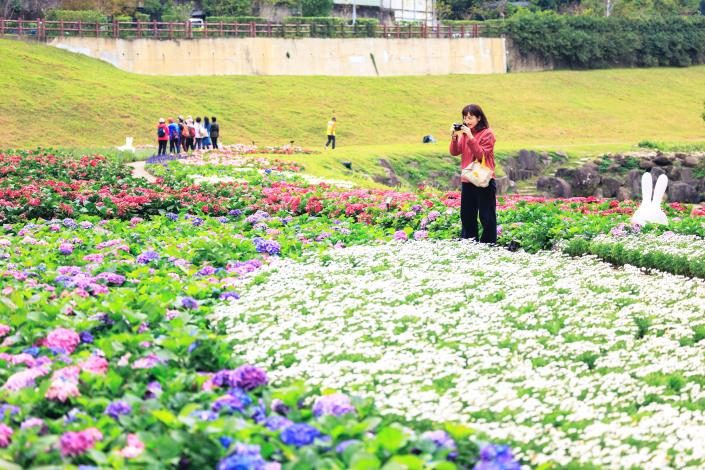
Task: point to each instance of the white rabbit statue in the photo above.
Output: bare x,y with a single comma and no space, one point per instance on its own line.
650,209
128,145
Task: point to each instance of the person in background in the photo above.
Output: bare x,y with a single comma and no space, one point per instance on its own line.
162,136
215,132
331,133
174,136
183,132
207,133
199,134
191,140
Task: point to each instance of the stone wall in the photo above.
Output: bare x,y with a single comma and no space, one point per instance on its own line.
277,56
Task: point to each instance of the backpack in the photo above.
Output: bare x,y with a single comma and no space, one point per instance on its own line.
184,130
174,133
192,132
160,132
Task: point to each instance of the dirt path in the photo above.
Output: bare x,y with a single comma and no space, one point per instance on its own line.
138,171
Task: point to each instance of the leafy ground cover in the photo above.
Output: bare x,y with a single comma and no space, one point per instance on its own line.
68,99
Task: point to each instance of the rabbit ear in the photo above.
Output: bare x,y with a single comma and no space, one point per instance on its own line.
661,185
646,187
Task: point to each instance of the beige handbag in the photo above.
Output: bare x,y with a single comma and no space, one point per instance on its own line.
477,173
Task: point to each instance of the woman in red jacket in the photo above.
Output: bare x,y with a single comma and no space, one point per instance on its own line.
162,136
474,141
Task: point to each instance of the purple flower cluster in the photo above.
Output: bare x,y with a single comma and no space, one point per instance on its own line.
235,213
299,434
246,377
112,278
270,247
66,248
440,438
147,257
336,404
189,303
276,422
496,457
245,457
235,400
229,295
70,223
257,217
118,408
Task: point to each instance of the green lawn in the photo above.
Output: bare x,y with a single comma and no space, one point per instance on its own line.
53,97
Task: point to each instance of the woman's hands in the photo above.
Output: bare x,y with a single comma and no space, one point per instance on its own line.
463,130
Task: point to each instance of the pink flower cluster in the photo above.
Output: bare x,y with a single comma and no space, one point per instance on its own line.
63,338
134,447
5,435
77,442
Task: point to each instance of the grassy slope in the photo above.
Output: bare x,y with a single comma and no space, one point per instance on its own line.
49,96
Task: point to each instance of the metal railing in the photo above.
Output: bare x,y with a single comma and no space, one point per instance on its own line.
44,30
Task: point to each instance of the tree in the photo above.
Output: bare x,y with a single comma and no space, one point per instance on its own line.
316,7
227,7
155,8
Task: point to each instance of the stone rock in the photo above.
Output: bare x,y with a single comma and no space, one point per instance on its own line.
682,192
455,182
673,173
528,160
565,173
633,181
610,187
623,194
656,172
503,184
690,161
613,168
545,159
391,179
645,164
586,181
553,186
687,175
663,160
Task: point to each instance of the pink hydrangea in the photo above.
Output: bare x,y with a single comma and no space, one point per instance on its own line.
76,443
400,235
62,390
4,330
24,378
420,235
63,338
147,362
95,365
5,435
134,447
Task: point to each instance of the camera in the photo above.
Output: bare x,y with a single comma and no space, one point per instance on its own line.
456,126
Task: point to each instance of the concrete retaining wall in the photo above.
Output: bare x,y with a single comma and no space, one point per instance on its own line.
275,56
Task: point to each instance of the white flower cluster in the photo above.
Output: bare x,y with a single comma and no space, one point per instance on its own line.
567,360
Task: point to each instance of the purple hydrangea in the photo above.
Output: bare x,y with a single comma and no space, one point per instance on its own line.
66,248
8,410
86,337
223,220
189,303
336,404
206,271
276,422
197,221
340,448
235,213
270,247
204,415
496,457
299,434
400,235
171,216
229,295
70,223
250,377
440,438
154,389
245,457
147,257
86,225
420,235
225,378
118,408
112,278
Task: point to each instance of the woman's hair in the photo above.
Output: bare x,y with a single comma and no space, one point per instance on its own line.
206,121
198,119
476,111
213,119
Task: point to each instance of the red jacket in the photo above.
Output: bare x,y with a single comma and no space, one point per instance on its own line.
473,149
166,131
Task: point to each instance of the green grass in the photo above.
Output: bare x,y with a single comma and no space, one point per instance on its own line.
52,97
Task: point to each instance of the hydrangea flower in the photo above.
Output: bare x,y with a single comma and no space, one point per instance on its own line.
134,447
420,235
440,438
118,408
299,434
66,248
5,435
76,443
235,213
229,295
147,257
250,377
336,404
496,457
340,448
400,235
63,338
189,303
245,457
276,422
270,247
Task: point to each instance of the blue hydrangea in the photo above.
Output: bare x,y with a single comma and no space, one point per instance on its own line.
86,337
8,410
193,346
204,415
223,220
70,223
197,221
276,422
172,216
245,457
235,213
299,434
189,303
32,351
229,295
496,457
270,247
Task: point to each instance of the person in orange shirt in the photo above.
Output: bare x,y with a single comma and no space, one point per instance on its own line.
331,133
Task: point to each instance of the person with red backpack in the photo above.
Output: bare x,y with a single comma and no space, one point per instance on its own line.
183,132
162,136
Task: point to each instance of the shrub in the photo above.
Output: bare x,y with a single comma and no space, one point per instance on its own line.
87,16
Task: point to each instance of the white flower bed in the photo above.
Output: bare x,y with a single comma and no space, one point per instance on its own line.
669,243
541,350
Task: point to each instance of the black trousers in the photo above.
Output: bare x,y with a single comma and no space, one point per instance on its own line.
482,201
162,147
174,146
215,142
331,138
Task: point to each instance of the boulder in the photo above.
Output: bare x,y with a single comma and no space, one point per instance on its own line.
528,160
623,194
690,161
586,181
553,186
646,164
503,184
633,181
656,172
687,175
610,186
682,192
663,160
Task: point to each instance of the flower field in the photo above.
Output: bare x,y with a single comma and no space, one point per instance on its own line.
114,353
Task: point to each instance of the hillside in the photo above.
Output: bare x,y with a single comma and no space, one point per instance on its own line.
53,97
